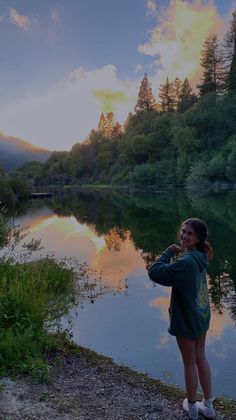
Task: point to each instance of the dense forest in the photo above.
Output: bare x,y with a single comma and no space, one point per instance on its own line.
183,139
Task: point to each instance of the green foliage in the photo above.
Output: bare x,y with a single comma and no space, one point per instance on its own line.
185,139
201,133
119,174
197,175
215,121
216,168
32,298
231,161
213,67
6,194
146,101
167,95
29,172
19,188
221,166
143,176
187,98
5,231
230,57
153,175
11,189
32,295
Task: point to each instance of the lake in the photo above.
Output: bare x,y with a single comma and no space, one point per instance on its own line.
117,234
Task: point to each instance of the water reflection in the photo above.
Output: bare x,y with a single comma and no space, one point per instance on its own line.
117,235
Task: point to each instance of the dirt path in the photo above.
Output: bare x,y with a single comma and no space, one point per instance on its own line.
87,386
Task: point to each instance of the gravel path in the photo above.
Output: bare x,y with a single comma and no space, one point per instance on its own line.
84,388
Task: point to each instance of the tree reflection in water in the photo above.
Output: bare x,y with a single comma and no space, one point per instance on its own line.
151,222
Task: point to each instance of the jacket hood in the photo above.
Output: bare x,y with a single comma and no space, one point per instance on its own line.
200,257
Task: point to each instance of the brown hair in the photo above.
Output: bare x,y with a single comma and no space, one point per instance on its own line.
201,230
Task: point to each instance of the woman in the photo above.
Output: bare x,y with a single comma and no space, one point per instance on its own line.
189,308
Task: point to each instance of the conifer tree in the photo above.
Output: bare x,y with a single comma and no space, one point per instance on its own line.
230,56
110,124
167,96
117,131
108,127
102,123
187,98
177,87
212,63
106,124
146,100
128,121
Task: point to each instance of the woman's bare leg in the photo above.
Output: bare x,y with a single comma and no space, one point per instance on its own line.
188,352
203,367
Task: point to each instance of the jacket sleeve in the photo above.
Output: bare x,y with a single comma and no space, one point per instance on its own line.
168,273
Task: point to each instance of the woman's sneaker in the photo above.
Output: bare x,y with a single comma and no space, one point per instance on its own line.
190,409
205,407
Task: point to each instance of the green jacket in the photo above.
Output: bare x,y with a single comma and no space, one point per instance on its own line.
189,306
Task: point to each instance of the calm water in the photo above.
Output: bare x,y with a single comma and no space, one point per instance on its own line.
116,234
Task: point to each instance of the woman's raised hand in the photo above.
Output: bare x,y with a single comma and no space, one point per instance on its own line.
175,248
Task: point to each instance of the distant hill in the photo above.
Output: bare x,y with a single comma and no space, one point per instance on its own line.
14,152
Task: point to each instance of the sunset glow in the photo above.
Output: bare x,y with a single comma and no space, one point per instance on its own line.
177,40
112,261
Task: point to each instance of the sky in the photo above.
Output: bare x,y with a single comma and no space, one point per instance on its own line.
64,62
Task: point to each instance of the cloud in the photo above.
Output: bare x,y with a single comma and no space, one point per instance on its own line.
138,68
55,16
162,302
176,42
151,6
109,98
66,113
23,22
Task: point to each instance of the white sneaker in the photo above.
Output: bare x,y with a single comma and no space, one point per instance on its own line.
190,409
205,407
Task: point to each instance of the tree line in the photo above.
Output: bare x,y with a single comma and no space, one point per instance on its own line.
182,139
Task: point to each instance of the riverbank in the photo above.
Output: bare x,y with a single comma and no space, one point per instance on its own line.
85,386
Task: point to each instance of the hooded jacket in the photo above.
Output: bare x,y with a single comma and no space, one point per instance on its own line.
189,305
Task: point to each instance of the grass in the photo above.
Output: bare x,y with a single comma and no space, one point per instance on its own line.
32,298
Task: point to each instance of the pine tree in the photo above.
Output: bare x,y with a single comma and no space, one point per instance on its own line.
108,127
106,124
110,124
167,96
102,123
187,97
146,100
213,67
117,131
177,87
230,56
128,121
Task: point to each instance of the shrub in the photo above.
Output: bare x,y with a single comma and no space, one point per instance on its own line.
32,297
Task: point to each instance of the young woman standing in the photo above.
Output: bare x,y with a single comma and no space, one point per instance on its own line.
189,308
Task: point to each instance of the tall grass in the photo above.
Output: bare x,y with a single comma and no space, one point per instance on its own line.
32,298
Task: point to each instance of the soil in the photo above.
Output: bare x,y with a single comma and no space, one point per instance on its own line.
86,386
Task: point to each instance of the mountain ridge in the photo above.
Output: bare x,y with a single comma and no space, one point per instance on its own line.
15,151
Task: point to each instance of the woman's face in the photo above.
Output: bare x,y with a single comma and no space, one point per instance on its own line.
188,238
